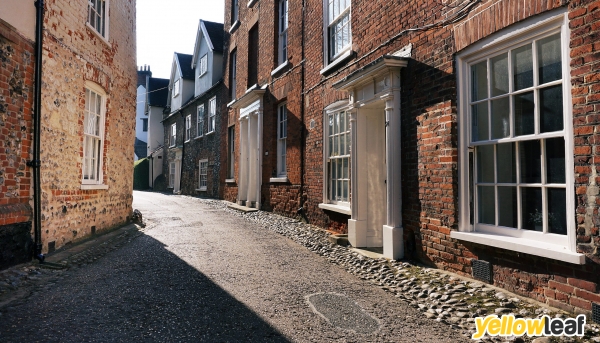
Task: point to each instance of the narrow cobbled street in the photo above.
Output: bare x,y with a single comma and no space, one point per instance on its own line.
198,272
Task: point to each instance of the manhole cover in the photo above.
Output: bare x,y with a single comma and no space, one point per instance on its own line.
342,312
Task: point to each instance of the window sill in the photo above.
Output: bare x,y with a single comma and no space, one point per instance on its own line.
201,189
279,179
187,141
198,137
336,208
343,57
199,76
234,26
251,3
231,103
97,34
90,187
209,133
527,246
229,180
280,68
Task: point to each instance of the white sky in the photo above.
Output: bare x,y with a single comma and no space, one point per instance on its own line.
168,26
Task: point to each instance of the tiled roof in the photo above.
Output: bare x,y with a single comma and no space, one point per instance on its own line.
158,92
185,62
215,32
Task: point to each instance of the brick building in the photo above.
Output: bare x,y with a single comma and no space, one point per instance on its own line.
17,41
461,134
263,75
193,122
87,120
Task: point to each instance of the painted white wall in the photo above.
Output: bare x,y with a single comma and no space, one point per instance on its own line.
21,15
186,93
156,166
139,114
156,134
203,82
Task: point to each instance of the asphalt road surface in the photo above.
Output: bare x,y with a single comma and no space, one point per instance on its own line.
200,274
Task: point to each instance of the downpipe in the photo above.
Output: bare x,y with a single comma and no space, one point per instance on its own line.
35,163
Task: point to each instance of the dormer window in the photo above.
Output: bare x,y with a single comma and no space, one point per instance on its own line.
203,65
176,88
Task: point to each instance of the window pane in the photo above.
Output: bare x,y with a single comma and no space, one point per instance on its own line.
549,59
486,205
345,193
346,173
555,160
342,144
507,207
485,163
530,160
551,109
522,67
507,172
499,74
500,118
479,81
339,191
531,208
557,207
480,122
524,114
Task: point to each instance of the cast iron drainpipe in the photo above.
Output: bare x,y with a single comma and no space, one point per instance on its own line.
302,210
36,163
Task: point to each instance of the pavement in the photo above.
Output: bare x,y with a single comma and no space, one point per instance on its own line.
202,272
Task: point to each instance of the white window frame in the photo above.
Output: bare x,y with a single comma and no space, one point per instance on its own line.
338,108
172,172
283,29
176,88
188,127
212,113
173,135
554,246
333,53
203,175
282,140
203,65
93,135
97,18
200,121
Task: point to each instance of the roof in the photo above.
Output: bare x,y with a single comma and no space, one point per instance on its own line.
158,92
215,33
185,63
141,148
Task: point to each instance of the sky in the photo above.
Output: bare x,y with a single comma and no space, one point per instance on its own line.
165,27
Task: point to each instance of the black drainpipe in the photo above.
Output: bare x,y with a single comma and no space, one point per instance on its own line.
182,153
36,163
302,210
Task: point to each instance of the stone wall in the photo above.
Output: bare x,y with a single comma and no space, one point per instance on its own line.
73,54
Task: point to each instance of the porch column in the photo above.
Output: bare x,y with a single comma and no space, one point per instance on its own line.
252,159
259,155
357,224
393,241
243,167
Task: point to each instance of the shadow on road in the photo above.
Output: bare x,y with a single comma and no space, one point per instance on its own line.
139,293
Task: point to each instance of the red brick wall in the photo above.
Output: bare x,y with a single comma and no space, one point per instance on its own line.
430,140
283,87
16,124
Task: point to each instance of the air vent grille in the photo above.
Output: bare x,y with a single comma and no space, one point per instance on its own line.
596,313
482,270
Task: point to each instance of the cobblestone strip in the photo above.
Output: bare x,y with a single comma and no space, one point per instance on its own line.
446,298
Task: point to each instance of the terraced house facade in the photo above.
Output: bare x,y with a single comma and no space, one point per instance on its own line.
462,134
85,117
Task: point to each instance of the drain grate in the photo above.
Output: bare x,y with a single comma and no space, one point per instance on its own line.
596,313
482,270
